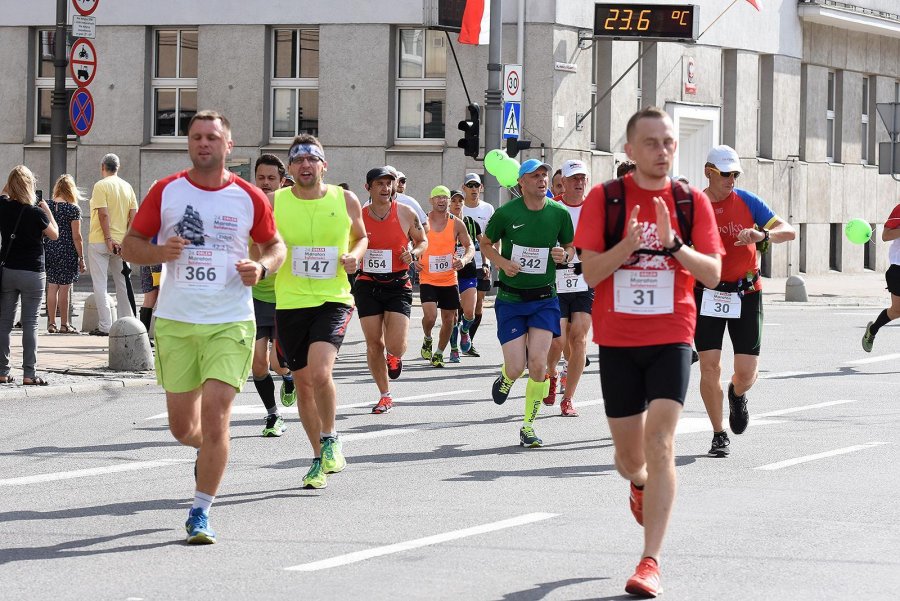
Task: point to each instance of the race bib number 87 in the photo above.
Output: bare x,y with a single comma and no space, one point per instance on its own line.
644,292
314,262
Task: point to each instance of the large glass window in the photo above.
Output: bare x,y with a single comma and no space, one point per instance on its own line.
421,84
44,83
295,82
174,83
867,123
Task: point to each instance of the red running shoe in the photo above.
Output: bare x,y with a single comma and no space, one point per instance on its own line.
550,399
645,582
636,500
394,365
567,409
384,405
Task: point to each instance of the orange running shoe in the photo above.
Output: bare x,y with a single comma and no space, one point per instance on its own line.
550,399
384,405
636,500
567,409
645,582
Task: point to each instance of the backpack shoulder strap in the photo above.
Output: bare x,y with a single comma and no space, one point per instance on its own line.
614,193
684,208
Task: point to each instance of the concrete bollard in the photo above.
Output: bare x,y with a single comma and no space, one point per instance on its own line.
129,346
89,317
795,290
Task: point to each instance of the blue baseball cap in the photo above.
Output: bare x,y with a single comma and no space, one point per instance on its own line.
532,165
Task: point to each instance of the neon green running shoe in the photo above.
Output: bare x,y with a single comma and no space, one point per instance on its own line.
288,399
527,438
426,349
274,426
332,458
315,477
437,360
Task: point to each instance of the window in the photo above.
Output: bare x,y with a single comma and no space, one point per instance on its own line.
44,83
867,133
759,104
829,119
421,84
295,82
595,67
640,76
174,83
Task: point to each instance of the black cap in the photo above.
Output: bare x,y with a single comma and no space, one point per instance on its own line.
455,193
377,172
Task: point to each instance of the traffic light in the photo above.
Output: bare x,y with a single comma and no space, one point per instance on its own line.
470,142
514,145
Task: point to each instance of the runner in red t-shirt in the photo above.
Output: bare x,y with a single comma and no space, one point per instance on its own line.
890,234
644,318
744,220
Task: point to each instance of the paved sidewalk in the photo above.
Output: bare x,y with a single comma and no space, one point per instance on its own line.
80,363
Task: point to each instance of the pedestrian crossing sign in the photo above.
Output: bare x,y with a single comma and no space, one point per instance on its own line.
512,119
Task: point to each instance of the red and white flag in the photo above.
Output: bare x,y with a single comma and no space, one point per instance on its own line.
757,4
476,23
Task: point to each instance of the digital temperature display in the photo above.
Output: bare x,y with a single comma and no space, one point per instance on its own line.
647,21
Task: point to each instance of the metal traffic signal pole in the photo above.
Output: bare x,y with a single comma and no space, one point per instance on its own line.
59,114
493,106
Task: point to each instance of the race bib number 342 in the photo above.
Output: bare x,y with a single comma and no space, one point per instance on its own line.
201,268
530,259
314,262
644,291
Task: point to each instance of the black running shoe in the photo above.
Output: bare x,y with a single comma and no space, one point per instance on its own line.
695,356
720,444
738,417
500,389
472,352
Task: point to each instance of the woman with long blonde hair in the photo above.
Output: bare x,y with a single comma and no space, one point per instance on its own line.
65,255
23,226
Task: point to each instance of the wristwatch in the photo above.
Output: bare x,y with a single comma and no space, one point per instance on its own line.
265,271
676,245
766,235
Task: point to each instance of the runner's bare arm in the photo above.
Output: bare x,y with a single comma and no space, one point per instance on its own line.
491,252
462,236
890,234
597,266
416,234
706,268
137,248
359,242
271,254
780,231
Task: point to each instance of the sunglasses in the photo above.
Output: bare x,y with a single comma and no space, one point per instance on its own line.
473,185
402,180
726,174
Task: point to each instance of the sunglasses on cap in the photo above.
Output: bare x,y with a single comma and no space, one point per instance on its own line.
402,180
473,185
726,174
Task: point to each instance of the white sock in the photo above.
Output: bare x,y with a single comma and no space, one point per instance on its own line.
203,501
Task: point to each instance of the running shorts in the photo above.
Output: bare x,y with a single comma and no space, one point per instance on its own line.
575,302
375,298
745,332
892,277
514,319
446,297
264,314
298,329
467,283
631,377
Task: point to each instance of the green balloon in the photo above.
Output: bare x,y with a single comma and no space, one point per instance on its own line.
493,161
508,174
858,231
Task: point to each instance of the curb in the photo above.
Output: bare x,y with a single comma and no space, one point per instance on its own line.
21,391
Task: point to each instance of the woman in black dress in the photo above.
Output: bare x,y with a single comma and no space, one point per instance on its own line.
65,255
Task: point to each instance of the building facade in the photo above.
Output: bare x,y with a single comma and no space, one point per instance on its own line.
792,87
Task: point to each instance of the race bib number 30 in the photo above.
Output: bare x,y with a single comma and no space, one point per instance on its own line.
314,262
440,263
530,259
201,268
726,305
378,261
644,292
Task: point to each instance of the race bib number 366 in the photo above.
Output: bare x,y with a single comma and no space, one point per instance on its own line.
201,268
644,292
314,262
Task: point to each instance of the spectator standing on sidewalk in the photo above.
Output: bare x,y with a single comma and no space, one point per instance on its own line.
65,255
113,206
22,229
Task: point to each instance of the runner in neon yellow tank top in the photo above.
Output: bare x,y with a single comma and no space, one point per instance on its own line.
326,240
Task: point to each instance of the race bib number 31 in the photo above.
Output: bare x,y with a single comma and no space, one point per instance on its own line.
530,259
314,262
201,268
644,292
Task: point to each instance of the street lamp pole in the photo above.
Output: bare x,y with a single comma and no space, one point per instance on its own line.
493,106
59,115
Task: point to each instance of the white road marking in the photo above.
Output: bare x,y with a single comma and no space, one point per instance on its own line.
789,462
590,403
377,434
691,425
94,471
358,556
805,407
771,324
877,359
260,410
782,374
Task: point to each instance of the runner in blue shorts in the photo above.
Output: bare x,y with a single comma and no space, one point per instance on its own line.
466,282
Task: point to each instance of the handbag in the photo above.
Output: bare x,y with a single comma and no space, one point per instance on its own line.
12,238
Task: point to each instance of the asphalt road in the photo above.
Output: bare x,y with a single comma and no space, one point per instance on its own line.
439,501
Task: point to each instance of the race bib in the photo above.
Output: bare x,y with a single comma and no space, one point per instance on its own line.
378,261
201,268
314,262
568,281
478,260
530,259
644,291
726,305
440,263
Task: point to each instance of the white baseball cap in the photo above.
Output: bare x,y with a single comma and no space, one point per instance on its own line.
724,158
471,177
574,167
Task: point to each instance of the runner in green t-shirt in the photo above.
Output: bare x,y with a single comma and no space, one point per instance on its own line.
534,233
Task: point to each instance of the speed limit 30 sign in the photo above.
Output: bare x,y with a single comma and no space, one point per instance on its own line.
512,83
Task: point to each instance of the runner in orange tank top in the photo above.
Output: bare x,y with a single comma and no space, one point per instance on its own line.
437,273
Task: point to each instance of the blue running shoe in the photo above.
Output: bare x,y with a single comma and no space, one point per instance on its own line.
198,530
